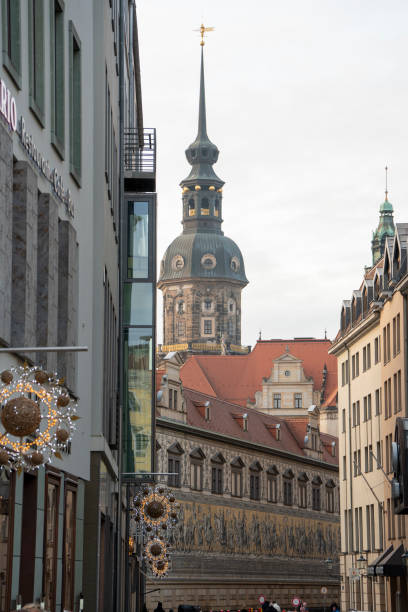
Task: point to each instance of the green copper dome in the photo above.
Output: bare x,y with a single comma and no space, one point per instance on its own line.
385,228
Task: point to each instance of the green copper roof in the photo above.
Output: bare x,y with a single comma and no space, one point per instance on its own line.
386,206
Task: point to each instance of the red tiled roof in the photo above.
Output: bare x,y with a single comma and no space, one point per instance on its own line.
261,427
236,378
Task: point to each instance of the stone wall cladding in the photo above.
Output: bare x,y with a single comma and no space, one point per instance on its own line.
67,300
6,207
47,279
24,260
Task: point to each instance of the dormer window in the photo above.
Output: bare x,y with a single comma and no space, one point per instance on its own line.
298,400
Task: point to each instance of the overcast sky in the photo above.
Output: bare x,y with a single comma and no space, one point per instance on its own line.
307,102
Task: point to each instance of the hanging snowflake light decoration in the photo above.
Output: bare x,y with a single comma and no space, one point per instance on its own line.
155,549
160,568
155,509
37,417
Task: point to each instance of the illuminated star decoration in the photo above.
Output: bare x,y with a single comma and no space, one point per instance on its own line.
36,420
155,512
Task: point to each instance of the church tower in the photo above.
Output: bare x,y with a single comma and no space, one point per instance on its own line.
202,272
385,227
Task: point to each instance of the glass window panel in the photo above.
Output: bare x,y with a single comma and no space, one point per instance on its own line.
138,240
138,357
51,544
4,534
69,551
138,303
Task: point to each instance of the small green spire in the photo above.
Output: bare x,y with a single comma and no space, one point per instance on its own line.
385,226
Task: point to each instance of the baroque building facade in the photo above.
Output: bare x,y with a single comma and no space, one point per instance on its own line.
372,395
202,272
259,511
283,378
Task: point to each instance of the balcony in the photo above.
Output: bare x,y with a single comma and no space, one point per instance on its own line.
140,159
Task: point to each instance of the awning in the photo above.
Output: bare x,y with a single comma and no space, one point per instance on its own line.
388,564
373,565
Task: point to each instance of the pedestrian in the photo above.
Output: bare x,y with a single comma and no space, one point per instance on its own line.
159,607
265,606
334,607
276,606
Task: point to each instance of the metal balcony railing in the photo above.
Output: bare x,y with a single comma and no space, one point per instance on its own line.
140,151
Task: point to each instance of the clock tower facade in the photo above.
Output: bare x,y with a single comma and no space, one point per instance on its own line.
202,272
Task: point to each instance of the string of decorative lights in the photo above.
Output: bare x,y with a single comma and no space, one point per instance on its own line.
37,417
154,512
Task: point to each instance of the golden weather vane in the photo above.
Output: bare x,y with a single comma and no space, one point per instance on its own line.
202,31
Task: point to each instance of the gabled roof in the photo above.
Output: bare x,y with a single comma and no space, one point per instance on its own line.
260,425
236,378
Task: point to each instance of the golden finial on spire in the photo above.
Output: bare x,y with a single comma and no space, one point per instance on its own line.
386,183
202,31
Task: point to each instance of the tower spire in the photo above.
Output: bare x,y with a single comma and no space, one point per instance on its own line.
385,226
202,119
386,183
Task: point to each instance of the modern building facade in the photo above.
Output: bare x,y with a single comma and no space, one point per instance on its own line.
259,511
70,111
372,365
202,272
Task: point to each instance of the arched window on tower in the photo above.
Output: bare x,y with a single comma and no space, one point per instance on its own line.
231,327
205,207
191,207
217,208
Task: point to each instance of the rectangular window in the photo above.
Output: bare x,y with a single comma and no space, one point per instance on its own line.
377,355
358,412
354,414
395,378
357,364
139,240
368,356
287,492
36,57
298,400
171,399
75,112
378,451
57,76
399,402
174,468
358,462
394,336
344,468
364,408
110,353
398,335
370,457
138,386
50,541
272,489
389,398
353,366
343,419
377,402
380,527
175,400
236,482
302,495
196,482
68,566
316,498
386,399
254,486
364,359
388,342
329,499
11,35
343,373
208,327
277,400
216,480
366,458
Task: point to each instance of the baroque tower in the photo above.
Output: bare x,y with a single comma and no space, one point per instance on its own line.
385,227
202,272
